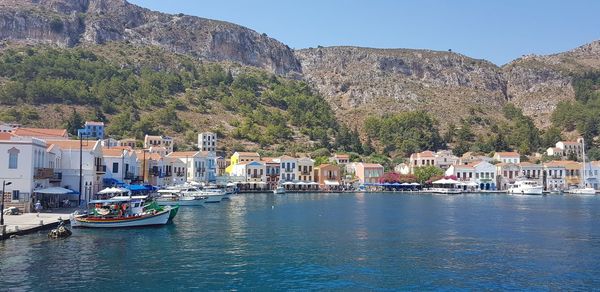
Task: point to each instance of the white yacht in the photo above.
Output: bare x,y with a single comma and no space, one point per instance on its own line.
583,190
213,195
526,187
175,197
279,190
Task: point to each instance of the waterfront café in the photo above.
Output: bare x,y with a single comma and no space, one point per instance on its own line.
55,197
300,186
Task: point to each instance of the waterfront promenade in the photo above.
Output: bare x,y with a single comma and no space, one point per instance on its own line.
30,222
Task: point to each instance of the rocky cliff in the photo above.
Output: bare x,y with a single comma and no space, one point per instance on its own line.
72,22
378,81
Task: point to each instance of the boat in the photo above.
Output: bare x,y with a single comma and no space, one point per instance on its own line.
279,190
213,195
122,212
583,190
174,197
445,186
526,187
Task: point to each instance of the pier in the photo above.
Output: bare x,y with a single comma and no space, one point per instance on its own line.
29,222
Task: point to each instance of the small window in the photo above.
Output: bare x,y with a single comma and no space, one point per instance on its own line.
115,167
13,158
15,195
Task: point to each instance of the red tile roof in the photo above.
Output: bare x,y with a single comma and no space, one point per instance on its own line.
40,132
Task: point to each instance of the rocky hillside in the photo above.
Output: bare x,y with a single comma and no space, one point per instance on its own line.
378,81
538,83
71,22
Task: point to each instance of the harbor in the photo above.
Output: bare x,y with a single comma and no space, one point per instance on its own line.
328,241
24,224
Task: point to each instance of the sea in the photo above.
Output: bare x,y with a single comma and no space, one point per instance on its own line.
328,241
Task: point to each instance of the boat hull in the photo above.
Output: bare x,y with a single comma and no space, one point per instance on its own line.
527,191
446,191
214,198
180,202
585,191
159,218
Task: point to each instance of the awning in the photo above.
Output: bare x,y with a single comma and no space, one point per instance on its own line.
54,191
137,188
287,183
415,184
445,182
112,181
332,183
113,190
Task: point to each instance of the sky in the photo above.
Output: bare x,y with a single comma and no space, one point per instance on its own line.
498,31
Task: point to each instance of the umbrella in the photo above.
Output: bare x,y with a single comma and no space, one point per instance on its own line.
54,191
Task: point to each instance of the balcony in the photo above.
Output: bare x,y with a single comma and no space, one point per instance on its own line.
180,174
100,169
43,173
56,177
129,176
255,176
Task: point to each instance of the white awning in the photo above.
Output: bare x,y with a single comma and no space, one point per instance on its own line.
113,190
332,183
415,184
168,191
54,191
287,183
445,182
300,183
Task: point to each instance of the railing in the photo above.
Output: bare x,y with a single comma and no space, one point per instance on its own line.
255,176
129,176
57,176
43,173
179,174
101,168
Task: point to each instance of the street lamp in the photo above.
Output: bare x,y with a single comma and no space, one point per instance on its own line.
4,184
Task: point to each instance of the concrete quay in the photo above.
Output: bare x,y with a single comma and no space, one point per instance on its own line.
29,222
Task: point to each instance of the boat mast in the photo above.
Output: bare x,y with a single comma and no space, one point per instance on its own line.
583,158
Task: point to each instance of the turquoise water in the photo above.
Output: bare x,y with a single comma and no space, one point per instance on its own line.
329,241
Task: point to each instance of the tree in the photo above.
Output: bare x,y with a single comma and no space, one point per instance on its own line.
74,122
424,173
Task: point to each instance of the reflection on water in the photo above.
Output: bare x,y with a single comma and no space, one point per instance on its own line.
329,241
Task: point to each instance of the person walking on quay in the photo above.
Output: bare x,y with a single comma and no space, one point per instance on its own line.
38,208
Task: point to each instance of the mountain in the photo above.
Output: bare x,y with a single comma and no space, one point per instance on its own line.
355,82
69,23
377,81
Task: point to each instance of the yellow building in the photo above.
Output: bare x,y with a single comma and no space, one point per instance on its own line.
241,157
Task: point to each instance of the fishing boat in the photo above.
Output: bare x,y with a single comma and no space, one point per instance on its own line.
583,189
526,187
121,212
175,197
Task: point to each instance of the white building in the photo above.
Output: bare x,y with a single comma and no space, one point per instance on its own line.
163,141
288,170
507,157
555,175
200,165
110,143
207,141
481,173
305,169
402,168
121,164
25,164
564,149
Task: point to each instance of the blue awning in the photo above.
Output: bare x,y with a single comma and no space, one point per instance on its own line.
137,188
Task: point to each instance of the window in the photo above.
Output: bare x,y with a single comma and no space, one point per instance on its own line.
115,167
13,158
15,195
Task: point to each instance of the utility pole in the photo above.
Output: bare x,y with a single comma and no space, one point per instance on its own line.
80,167
144,167
4,184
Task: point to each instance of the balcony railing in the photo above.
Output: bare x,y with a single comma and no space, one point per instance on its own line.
179,174
129,176
56,177
101,168
43,173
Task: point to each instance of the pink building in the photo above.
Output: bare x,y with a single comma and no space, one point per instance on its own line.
368,172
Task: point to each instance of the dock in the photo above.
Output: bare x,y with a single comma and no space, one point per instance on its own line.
29,223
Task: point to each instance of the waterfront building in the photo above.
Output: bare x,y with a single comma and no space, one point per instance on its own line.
272,170
351,168
41,133
92,165
25,163
254,173
368,172
305,169
507,157
200,166
479,173
287,168
555,175
164,141
564,149
207,141
222,164
239,157
328,176
340,158
91,130
507,174
532,171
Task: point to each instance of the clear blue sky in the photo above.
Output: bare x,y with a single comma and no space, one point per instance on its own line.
498,31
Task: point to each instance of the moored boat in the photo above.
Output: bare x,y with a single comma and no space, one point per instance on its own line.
174,197
526,187
121,212
279,190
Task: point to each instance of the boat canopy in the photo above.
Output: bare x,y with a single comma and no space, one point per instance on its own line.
111,200
332,183
168,191
113,190
54,191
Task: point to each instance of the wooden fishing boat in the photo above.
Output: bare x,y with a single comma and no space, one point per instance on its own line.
121,212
